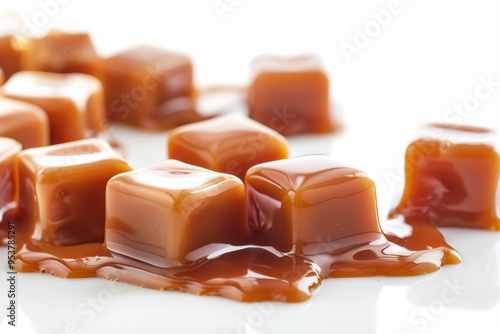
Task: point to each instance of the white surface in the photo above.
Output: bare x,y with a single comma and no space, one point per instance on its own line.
430,58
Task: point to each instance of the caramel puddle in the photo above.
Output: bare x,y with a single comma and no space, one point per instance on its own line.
249,273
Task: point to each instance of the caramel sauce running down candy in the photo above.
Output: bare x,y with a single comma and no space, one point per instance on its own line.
183,249
10,60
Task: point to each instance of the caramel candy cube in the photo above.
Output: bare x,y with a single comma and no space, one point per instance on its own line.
2,77
451,178
10,55
62,190
62,53
9,149
310,203
153,77
290,95
74,103
162,213
24,122
227,144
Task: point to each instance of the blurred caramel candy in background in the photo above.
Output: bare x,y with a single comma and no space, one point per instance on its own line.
146,87
227,144
10,55
62,52
290,95
74,103
24,122
228,214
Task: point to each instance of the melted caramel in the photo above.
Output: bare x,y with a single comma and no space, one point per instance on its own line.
256,273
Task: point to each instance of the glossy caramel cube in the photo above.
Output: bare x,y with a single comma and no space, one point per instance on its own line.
140,95
10,55
451,178
62,53
2,77
24,122
9,149
307,203
290,95
62,190
162,213
227,144
74,103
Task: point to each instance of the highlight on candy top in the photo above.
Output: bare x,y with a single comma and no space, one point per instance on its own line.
452,178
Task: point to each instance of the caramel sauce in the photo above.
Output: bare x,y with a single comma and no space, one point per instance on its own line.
257,271
246,274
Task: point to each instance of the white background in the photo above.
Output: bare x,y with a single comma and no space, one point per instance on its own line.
424,64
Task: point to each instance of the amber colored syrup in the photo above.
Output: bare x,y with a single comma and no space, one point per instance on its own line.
249,273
